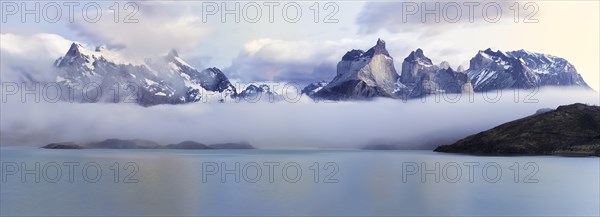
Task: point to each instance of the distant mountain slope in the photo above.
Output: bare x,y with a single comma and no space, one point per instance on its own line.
551,70
568,130
492,70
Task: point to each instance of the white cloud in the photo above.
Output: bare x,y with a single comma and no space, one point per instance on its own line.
25,58
291,60
160,29
279,125
411,16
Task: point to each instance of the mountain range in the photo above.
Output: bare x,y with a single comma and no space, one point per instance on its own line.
364,75
102,75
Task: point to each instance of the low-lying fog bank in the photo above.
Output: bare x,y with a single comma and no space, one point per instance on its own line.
419,123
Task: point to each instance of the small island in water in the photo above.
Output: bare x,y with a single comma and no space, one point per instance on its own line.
570,130
144,144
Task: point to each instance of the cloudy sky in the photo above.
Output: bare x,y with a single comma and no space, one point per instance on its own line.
276,43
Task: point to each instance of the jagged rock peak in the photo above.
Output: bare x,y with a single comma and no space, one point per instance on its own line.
445,65
418,56
353,55
214,70
379,48
380,44
101,48
490,52
419,52
173,53
74,49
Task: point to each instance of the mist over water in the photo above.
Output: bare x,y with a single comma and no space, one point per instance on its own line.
421,123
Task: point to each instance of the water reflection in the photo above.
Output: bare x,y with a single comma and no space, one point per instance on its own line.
368,183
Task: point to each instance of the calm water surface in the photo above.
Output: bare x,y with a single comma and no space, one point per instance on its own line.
293,183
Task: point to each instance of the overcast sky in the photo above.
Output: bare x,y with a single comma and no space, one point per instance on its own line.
306,50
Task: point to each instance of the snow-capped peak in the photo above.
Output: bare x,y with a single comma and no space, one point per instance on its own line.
418,57
75,49
173,57
78,50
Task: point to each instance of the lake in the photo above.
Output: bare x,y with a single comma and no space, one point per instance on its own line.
43,182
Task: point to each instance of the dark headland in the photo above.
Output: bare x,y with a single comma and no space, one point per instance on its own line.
570,130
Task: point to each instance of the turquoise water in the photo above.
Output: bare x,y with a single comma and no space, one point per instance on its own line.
293,183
